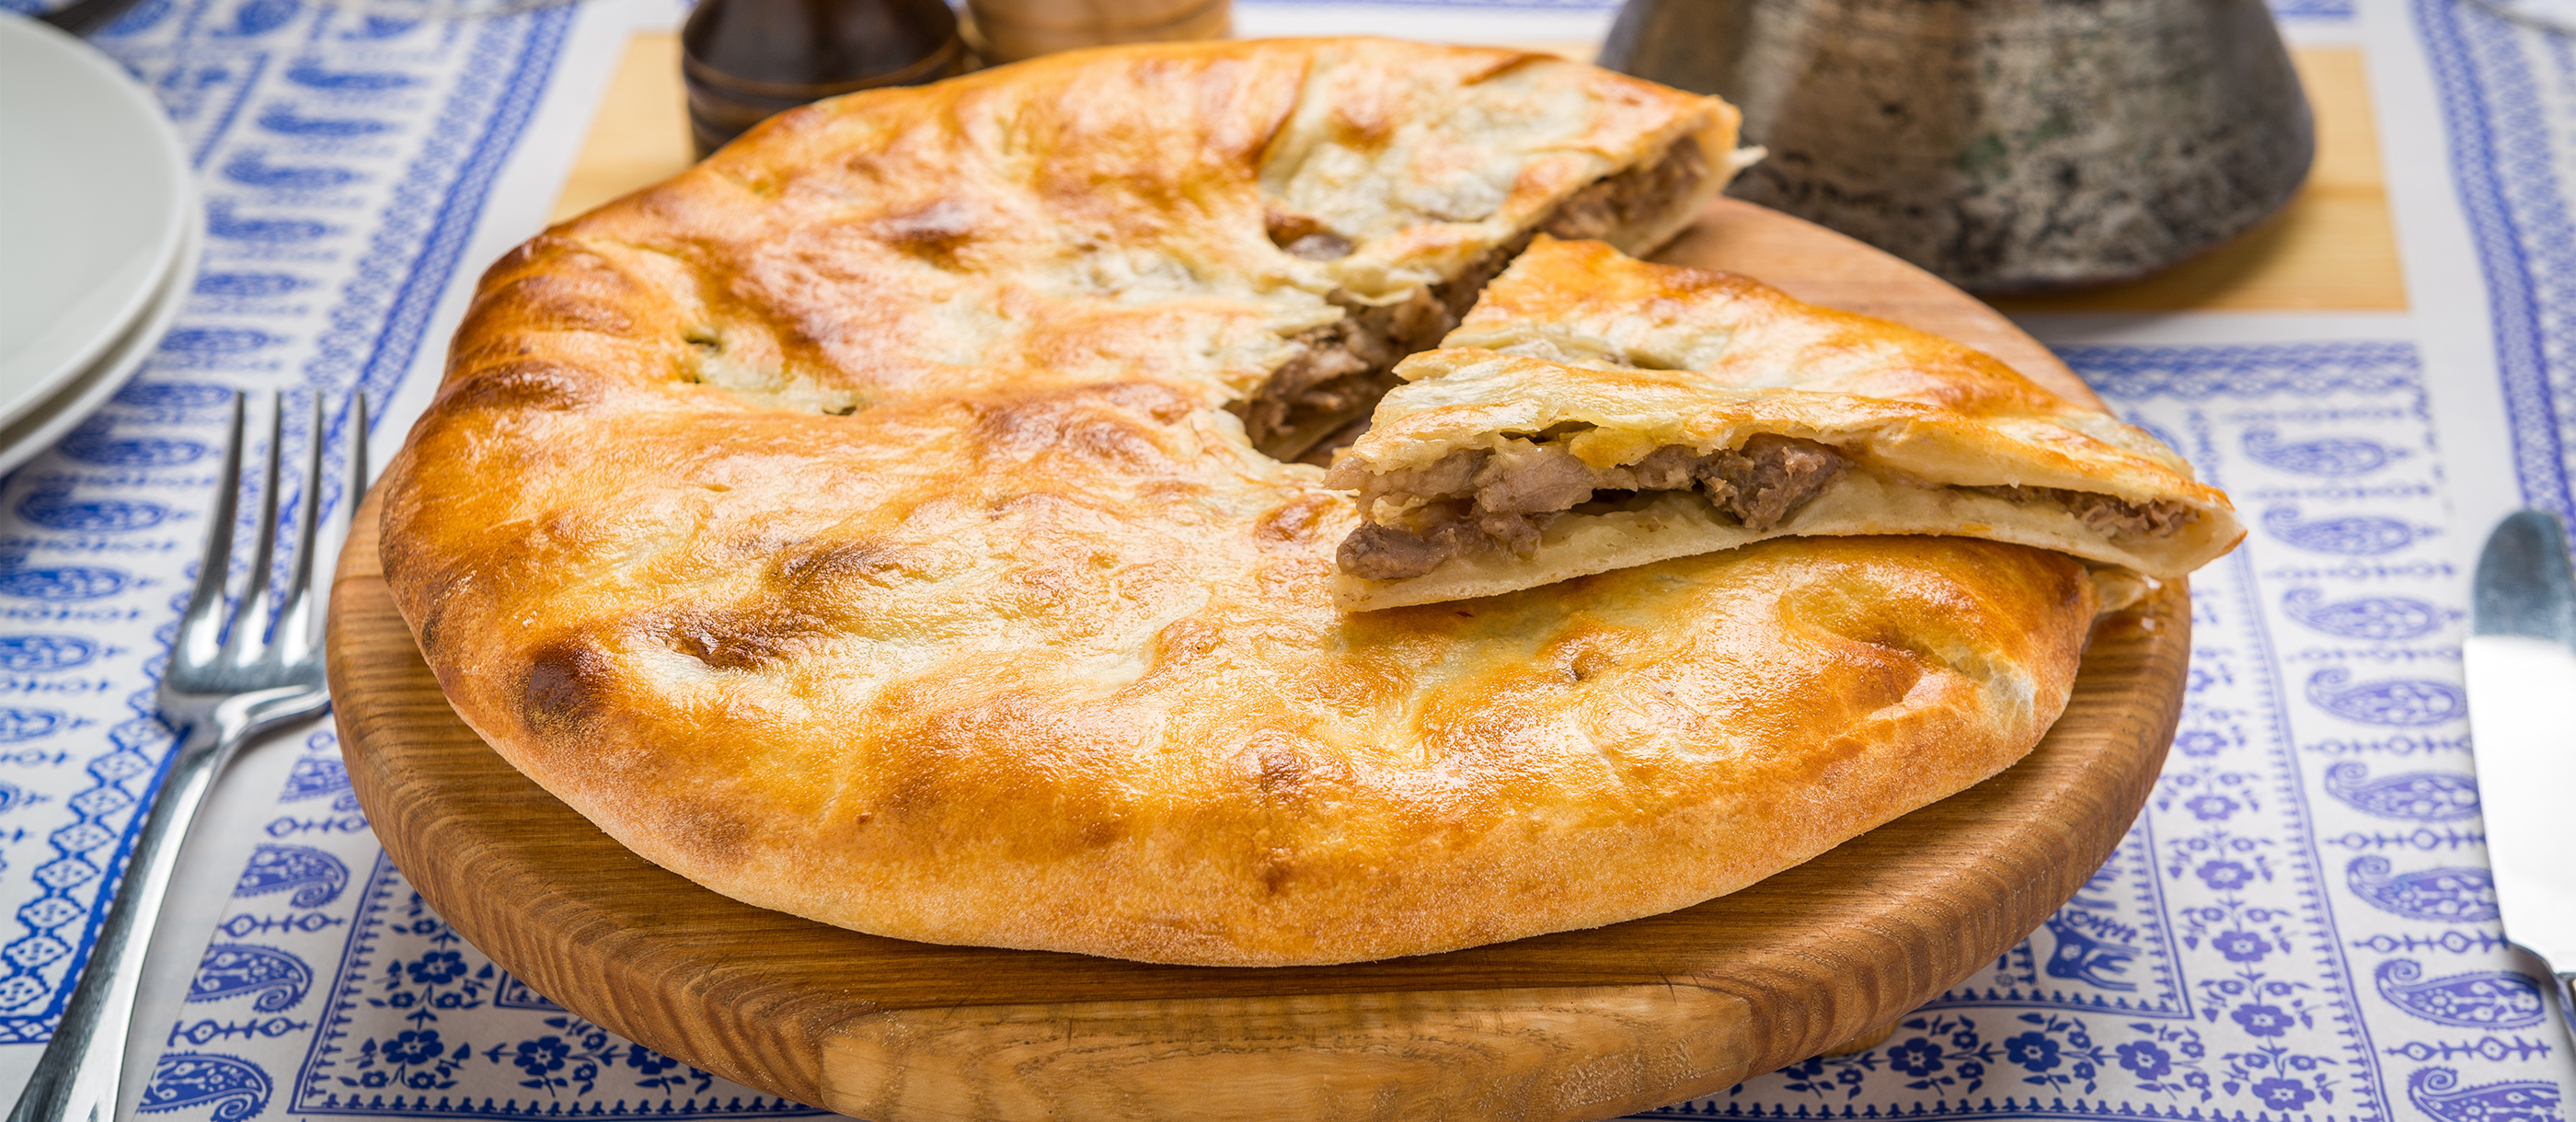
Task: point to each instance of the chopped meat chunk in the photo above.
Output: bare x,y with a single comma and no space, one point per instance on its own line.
2107,515
2112,517
1458,293
1515,532
1504,498
1525,478
1344,368
1633,199
1379,552
1453,474
1667,468
1770,477
1586,215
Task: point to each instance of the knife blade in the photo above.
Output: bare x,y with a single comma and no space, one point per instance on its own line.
2521,666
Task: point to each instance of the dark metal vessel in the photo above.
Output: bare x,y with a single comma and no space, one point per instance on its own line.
2006,145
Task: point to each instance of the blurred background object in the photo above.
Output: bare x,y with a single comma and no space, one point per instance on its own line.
80,17
743,60
399,11
2006,145
2555,15
84,17
1011,30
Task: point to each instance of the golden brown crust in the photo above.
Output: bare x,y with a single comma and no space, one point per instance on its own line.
1582,302
810,526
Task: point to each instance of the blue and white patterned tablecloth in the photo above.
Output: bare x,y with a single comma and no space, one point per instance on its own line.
2298,927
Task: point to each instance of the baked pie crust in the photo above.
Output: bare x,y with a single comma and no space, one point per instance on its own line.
864,525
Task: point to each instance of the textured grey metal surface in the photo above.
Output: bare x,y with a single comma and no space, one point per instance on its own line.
2003,144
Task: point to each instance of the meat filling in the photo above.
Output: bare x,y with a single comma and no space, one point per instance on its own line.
1480,500
1340,371
1503,498
2107,515
1632,199
1343,368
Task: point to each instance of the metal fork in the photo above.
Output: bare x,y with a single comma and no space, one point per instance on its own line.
225,685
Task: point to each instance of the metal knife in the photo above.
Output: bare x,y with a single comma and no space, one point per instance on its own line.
2521,658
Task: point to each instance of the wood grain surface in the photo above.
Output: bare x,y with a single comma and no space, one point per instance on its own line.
2332,249
1579,1025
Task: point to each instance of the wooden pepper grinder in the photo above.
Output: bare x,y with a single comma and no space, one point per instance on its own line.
743,60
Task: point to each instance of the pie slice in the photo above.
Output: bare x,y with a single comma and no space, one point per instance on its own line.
1409,191
1596,412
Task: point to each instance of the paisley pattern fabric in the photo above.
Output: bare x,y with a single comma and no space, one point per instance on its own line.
2481,999
2298,925
2428,796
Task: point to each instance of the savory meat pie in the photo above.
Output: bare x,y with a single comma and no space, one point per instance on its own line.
1595,412
890,521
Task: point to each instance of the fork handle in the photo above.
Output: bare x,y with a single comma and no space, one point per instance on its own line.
83,1067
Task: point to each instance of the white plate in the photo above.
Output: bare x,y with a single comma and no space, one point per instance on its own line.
95,198
37,428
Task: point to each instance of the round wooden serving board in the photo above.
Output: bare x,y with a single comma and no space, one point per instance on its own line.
1580,1025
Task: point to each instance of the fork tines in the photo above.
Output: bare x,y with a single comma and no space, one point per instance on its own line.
220,650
